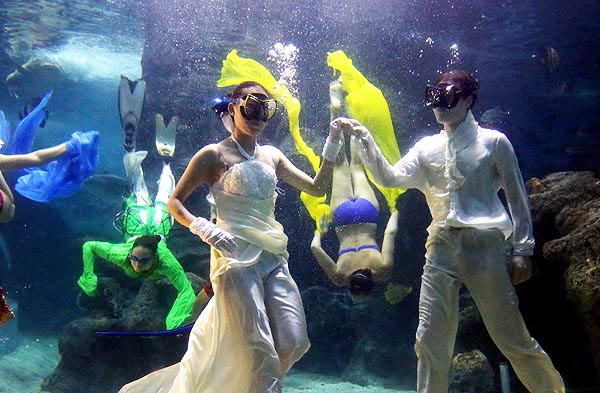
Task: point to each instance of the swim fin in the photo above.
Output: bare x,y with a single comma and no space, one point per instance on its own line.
165,136
131,101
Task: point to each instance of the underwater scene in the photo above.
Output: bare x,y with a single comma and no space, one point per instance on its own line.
299,196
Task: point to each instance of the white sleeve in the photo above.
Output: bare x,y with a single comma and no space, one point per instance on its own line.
406,173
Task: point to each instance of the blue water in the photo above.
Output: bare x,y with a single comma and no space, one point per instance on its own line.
400,46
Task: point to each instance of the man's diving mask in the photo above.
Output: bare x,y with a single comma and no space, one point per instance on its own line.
442,96
256,106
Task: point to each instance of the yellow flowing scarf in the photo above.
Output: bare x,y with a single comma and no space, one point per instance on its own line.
366,103
237,70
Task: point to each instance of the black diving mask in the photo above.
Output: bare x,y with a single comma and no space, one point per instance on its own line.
443,96
257,106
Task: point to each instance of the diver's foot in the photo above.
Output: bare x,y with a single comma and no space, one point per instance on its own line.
336,95
131,101
129,137
132,162
324,224
165,136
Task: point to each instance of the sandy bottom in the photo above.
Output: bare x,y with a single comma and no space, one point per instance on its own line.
23,369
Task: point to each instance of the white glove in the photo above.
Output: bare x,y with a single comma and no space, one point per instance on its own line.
213,235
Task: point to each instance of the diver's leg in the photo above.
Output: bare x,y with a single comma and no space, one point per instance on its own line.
133,168
166,184
498,304
341,186
162,220
286,316
436,333
360,182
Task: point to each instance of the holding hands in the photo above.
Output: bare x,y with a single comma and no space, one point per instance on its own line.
348,127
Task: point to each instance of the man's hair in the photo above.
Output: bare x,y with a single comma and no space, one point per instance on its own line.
361,282
464,82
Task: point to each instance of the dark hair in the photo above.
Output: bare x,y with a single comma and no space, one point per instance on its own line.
147,241
237,92
361,282
464,82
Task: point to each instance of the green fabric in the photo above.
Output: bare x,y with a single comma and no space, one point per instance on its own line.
135,225
118,254
238,69
367,104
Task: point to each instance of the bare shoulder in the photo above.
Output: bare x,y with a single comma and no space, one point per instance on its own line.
274,153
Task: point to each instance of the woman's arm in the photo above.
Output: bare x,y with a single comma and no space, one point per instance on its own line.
387,248
326,263
38,157
290,174
198,172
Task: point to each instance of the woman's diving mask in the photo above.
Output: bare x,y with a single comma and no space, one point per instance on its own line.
256,106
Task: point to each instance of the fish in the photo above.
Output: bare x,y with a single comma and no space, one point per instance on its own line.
494,117
29,106
35,77
550,59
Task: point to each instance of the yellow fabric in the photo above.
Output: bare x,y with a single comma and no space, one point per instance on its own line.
366,103
236,70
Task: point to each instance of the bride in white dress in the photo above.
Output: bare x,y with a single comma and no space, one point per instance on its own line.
254,329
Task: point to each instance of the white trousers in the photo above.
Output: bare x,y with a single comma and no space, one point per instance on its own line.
271,314
477,259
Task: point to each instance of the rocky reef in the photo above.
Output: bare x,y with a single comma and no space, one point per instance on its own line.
566,211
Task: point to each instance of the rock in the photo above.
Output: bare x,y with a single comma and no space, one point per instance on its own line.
566,208
471,373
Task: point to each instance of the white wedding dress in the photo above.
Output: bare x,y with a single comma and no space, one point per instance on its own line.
254,329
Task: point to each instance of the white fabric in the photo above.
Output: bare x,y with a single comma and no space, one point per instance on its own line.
460,176
254,329
477,259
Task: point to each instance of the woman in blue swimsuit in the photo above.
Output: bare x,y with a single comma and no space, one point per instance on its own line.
355,216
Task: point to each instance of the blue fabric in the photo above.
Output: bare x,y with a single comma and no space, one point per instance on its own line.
180,330
357,211
4,131
63,177
22,140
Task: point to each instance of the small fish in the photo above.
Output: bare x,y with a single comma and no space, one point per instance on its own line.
550,59
494,117
590,130
30,106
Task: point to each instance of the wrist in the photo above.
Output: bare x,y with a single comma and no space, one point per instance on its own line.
331,149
